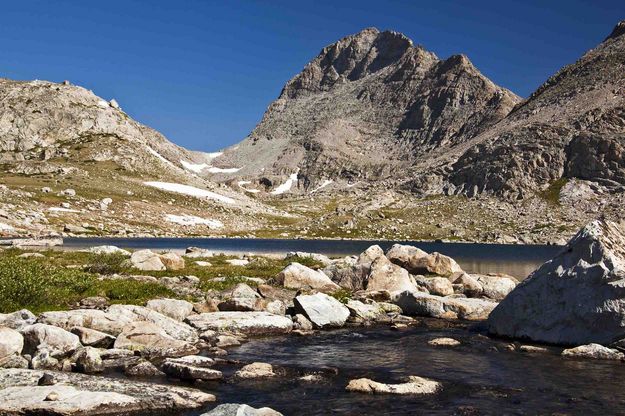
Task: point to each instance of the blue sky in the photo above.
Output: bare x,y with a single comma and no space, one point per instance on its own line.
203,72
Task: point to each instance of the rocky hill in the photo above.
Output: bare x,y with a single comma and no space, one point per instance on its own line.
368,107
572,127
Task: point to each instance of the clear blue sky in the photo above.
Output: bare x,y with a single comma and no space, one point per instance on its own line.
203,72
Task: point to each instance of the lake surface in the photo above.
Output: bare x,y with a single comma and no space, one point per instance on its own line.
479,377
517,260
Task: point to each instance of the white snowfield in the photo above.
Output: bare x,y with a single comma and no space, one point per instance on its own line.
190,190
197,168
159,156
60,209
213,169
323,185
286,186
192,220
6,227
213,155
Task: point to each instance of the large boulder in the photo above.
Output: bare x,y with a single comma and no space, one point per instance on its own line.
248,323
109,322
495,286
59,341
172,327
147,260
594,351
241,298
108,250
578,297
298,276
348,273
11,342
172,261
424,304
369,255
385,275
417,261
322,310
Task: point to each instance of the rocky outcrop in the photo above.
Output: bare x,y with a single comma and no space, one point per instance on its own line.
571,127
575,298
70,393
417,261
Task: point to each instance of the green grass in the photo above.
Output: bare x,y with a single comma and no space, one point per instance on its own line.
40,285
342,295
62,278
552,194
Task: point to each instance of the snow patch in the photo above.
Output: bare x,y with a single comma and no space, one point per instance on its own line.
323,185
197,168
60,209
213,155
213,169
159,156
191,220
6,227
190,190
286,186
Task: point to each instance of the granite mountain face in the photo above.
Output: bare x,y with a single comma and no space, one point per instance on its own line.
572,127
368,107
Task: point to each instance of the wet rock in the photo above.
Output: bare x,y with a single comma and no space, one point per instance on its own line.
322,310
92,338
385,275
255,370
444,342
414,385
298,276
575,298
59,341
231,409
151,341
91,395
174,308
172,261
532,349
191,368
18,320
11,342
147,260
595,351
248,323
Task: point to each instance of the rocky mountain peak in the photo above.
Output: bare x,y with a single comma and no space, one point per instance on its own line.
350,59
619,30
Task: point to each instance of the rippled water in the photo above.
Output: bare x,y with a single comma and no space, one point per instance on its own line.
517,260
479,377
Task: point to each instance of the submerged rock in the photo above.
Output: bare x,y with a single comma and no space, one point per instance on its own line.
578,297
91,395
414,385
444,342
322,310
255,370
231,409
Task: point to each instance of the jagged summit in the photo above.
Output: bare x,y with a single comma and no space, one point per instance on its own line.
619,30
367,107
